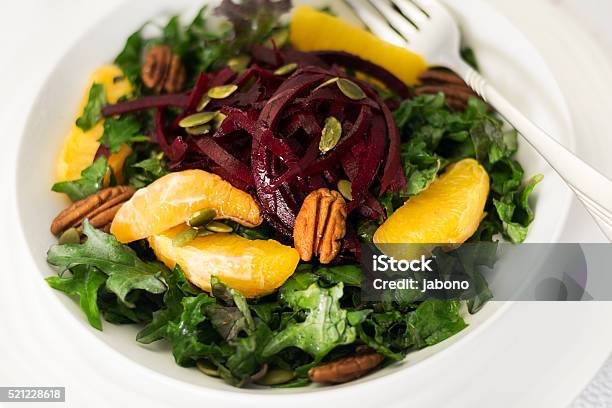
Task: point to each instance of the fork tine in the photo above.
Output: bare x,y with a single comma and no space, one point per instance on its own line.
375,22
429,7
411,11
398,21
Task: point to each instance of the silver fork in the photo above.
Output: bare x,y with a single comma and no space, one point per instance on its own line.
426,27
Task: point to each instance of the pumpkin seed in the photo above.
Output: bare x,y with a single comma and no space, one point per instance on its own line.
200,218
239,64
277,376
207,368
203,103
286,69
350,89
326,83
198,130
70,236
345,188
197,119
216,226
184,237
202,232
278,39
218,120
222,92
330,135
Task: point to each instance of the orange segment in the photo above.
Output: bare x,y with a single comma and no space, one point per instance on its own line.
80,147
172,199
448,212
251,267
313,30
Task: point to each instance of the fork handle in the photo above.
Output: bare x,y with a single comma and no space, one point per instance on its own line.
592,188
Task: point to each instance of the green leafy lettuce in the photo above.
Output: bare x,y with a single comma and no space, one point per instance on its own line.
324,327
125,271
92,112
144,165
117,131
434,136
84,283
129,59
91,181
514,211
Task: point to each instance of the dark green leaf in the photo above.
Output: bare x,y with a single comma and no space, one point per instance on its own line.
125,270
234,316
91,181
178,288
356,317
433,135
264,231
227,320
432,322
183,333
84,282
118,131
506,176
264,311
92,112
246,358
526,215
349,275
514,211
324,327
129,58
252,21
366,230
144,166
300,280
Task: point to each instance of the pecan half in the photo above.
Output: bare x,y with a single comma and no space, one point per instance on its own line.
345,369
320,225
163,70
100,208
456,90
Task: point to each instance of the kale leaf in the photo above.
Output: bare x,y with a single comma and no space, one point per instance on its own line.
247,354
144,165
178,288
129,58
184,332
252,21
514,211
434,136
91,181
432,322
324,327
92,112
117,131
84,282
126,272
349,275
234,316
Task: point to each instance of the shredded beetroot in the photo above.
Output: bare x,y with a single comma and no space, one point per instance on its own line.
268,143
147,102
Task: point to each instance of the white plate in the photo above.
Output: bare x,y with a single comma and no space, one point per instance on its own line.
55,119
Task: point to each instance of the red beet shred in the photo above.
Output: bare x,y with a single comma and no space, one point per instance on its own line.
268,144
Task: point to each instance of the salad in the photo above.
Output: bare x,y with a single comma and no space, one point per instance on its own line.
225,174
